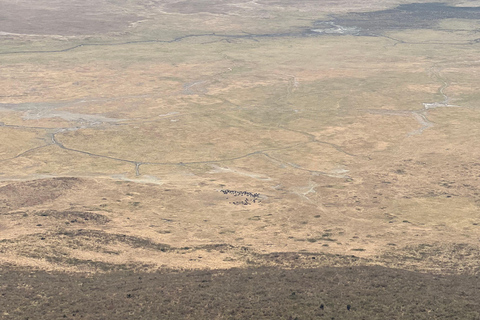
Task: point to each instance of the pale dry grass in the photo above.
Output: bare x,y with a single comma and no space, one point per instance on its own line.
330,131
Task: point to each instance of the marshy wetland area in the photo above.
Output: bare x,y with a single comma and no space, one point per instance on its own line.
230,159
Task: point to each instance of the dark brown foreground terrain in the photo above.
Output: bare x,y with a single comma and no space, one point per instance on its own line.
252,293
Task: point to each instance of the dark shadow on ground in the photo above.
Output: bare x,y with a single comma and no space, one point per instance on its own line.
255,293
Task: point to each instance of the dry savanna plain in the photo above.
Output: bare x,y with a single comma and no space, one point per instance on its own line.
230,159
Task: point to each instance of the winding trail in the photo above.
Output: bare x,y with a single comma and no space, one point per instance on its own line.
293,165
137,163
60,145
177,39
450,43
225,37
418,115
52,139
25,152
313,139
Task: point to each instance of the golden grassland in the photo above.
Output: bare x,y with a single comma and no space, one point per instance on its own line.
330,130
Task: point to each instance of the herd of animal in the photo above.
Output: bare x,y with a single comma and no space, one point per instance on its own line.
247,194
